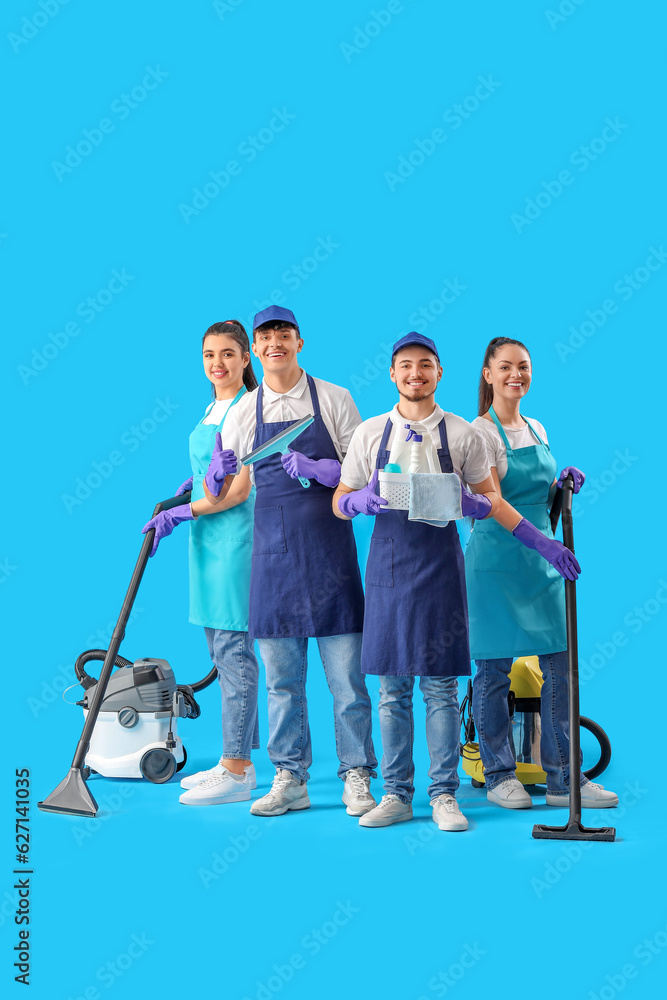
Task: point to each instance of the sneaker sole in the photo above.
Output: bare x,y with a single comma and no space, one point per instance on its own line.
452,829
504,804
292,807
358,811
377,826
564,803
218,800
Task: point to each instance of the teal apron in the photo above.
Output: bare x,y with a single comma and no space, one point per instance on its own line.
220,545
516,599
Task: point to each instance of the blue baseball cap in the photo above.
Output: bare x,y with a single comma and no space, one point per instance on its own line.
411,339
275,313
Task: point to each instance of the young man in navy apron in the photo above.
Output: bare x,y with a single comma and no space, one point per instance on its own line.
416,619
305,579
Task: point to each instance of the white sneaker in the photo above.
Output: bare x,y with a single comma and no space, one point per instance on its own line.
193,779
390,810
286,793
592,797
447,815
217,789
510,794
357,792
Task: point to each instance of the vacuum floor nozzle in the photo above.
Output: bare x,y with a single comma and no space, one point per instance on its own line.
574,831
71,797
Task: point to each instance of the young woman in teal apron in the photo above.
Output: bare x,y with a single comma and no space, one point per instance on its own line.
516,597
220,557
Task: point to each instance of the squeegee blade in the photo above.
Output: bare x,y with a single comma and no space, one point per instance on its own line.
274,444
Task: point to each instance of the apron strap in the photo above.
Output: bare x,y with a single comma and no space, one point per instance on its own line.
544,445
446,464
500,430
504,436
383,452
314,399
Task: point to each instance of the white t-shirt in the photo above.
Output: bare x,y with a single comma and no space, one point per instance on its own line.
466,448
217,411
496,452
337,408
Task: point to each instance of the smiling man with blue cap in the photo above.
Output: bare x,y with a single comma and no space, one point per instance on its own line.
304,579
416,619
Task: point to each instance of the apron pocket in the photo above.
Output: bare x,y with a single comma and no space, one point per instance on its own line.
492,552
380,565
269,533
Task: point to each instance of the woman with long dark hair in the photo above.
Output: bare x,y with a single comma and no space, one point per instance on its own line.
516,596
220,555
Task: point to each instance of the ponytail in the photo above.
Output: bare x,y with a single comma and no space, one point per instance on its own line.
485,395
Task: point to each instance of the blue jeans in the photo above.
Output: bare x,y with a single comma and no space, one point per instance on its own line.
397,730
286,666
233,654
491,686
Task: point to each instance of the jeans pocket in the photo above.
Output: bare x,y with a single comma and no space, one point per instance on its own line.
380,565
269,532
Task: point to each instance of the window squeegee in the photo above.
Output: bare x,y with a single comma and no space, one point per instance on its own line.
280,443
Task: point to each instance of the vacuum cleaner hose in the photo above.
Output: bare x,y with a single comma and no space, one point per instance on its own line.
83,677
605,747
205,681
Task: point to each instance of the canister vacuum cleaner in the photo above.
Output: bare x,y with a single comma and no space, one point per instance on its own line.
135,733
130,717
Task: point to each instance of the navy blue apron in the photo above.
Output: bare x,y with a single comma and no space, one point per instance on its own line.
416,620
304,578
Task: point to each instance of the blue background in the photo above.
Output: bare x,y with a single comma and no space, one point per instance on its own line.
355,96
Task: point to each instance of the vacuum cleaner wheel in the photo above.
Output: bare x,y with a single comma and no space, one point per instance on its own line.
158,765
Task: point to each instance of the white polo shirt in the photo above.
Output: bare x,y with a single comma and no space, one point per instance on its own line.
217,411
337,408
496,452
466,447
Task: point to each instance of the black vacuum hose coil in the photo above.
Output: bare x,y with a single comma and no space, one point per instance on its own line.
83,677
605,747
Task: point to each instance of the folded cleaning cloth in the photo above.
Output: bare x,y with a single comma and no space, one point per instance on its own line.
435,498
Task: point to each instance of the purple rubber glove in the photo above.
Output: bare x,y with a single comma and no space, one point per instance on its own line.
578,476
184,487
223,464
474,504
551,549
165,522
364,501
325,470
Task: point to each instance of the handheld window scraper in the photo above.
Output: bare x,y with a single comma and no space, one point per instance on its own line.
280,443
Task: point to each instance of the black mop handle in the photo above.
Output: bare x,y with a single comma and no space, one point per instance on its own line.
573,830
572,658
119,633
